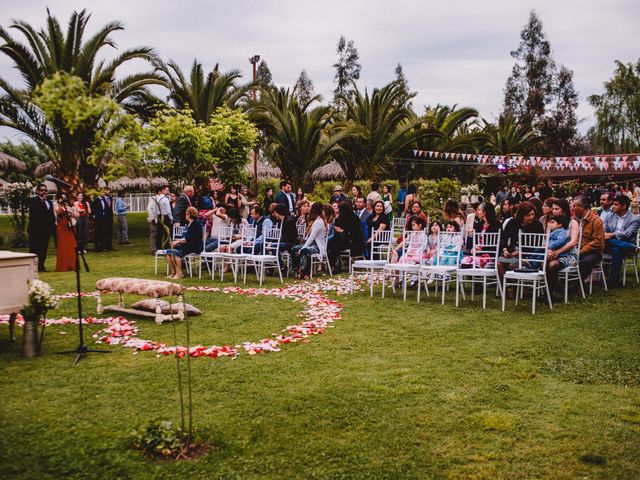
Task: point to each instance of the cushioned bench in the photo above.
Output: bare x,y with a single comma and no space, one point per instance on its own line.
139,286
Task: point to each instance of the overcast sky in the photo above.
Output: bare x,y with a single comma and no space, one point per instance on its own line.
452,52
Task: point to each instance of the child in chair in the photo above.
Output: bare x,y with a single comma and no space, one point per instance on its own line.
558,238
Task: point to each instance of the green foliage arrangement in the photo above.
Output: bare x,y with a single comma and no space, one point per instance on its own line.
158,438
16,197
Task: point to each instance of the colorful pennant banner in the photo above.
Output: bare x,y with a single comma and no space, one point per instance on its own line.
585,163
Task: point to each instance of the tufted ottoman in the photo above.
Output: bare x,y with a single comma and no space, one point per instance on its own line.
139,286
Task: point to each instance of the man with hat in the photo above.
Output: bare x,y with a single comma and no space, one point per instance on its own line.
338,196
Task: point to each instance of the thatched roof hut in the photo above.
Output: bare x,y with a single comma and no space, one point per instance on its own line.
330,171
46,168
139,183
264,170
11,164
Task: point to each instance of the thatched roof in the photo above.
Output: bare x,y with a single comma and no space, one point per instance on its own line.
51,186
46,168
11,164
264,170
140,183
330,171
3,183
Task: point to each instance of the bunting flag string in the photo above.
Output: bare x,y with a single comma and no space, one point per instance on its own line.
607,164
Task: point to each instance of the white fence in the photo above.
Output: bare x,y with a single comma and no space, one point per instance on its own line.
137,203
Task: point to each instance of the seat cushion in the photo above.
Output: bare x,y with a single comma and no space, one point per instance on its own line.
439,269
139,286
370,263
477,272
402,267
524,275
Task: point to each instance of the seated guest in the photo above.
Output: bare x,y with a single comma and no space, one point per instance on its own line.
561,207
289,235
348,235
316,242
606,202
547,211
432,242
451,212
621,230
415,211
361,209
303,211
524,221
485,222
592,244
262,223
414,250
237,222
191,242
219,219
450,252
379,221
558,238
505,211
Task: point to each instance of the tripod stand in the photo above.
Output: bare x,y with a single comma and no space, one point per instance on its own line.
82,349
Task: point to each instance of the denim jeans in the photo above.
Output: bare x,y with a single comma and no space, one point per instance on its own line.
618,250
211,244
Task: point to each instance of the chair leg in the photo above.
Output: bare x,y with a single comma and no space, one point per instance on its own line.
579,280
566,288
156,264
504,290
534,295
484,292
370,282
457,290
444,288
546,286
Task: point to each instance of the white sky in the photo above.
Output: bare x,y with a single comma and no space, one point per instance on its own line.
453,52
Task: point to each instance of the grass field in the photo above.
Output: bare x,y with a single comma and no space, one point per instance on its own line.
395,390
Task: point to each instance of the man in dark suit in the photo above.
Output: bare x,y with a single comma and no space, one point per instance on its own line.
183,202
102,209
286,198
42,224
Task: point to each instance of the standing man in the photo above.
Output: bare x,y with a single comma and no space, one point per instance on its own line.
592,243
183,202
402,195
621,230
374,196
286,198
42,224
102,209
361,209
121,212
338,196
160,219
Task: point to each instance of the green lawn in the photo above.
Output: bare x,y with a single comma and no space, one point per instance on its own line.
395,390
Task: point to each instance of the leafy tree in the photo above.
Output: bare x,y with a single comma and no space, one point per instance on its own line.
297,137
617,126
347,71
49,52
510,137
384,127
559,125
263,75
185,150
202,96
303,90
528,89
401,80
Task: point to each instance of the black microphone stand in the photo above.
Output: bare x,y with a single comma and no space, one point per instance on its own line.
82,349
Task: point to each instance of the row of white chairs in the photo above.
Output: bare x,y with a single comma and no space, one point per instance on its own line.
530,272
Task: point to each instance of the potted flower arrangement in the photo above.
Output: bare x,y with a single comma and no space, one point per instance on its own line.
41,299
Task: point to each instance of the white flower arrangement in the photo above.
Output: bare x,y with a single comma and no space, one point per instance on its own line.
41,299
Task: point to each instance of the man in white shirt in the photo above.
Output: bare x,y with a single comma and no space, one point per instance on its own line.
606,202
159,218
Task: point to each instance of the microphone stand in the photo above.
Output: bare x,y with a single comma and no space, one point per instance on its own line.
82,349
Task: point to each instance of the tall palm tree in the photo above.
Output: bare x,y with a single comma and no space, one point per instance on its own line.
48,51
385,127
298,138
510,137
202,95
458,126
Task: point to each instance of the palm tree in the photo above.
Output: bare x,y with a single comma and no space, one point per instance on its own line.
510,137
199,94
458,126
49,51
297,136
385,127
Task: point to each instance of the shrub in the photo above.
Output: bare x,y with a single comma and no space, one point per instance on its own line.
158,438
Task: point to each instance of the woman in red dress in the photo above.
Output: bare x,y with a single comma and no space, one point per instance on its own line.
66,241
